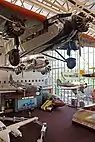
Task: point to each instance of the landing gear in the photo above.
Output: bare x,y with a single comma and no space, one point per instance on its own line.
71,63
14,57
14,29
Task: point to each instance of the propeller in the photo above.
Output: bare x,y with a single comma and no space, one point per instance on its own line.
80,22
14,20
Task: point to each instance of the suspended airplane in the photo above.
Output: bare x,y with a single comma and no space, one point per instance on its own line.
65,39
38,63
74,86
91,75
14,129
37,34
84,40
27,87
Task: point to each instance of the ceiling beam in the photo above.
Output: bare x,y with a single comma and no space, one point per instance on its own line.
59,7
38,3
82,7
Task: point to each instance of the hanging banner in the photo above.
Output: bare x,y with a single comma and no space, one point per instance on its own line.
87,40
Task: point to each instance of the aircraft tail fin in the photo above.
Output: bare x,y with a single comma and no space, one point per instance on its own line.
58,82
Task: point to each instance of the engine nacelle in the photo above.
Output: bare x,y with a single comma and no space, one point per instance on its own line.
46,70
19,69
16,133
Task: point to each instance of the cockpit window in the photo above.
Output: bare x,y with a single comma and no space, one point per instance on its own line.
40,57
3,128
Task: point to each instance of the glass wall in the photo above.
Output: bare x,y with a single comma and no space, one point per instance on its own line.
60,69
83,62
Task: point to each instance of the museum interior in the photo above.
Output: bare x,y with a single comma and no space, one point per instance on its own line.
47,70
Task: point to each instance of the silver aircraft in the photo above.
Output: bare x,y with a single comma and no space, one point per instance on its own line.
38,34
74,86
37,62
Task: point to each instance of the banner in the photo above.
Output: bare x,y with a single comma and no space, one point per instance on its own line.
27,103
87,40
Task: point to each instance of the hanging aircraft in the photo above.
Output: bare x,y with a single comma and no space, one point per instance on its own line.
27,87
72,76
37,34
74,86
91,75
65,39
84,41
14,129
38,63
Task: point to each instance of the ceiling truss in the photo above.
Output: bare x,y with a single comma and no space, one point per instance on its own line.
49,8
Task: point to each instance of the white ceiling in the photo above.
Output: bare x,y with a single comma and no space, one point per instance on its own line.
51,7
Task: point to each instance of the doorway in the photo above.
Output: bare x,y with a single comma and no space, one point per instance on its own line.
9,105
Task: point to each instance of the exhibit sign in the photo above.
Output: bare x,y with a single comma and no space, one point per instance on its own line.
28,103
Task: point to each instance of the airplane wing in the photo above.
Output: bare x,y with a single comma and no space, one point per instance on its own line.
70,88
6,68
22,123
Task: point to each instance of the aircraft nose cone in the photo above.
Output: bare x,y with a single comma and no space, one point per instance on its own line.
20,135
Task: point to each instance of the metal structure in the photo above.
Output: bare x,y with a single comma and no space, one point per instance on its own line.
49,8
